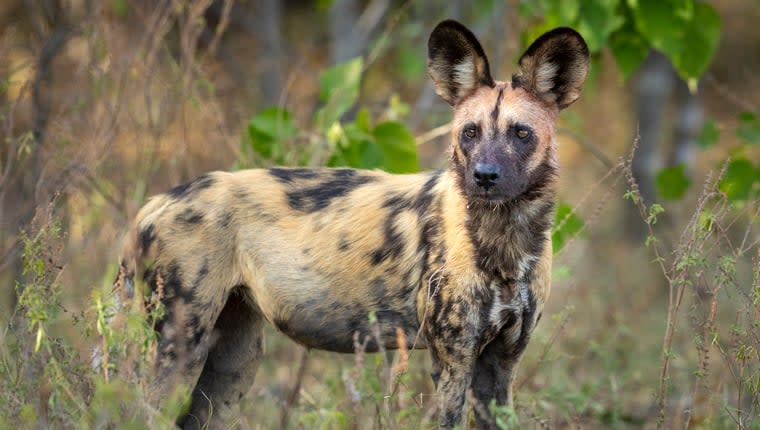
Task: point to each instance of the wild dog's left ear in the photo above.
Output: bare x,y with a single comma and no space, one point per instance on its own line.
555,66
456,62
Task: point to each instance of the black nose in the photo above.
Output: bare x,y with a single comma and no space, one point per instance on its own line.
486,175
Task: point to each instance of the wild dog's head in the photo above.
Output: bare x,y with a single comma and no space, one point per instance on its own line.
503,132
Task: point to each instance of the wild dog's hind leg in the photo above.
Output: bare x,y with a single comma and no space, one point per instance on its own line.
183,328
231,363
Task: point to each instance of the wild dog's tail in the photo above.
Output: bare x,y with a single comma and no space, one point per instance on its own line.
137,249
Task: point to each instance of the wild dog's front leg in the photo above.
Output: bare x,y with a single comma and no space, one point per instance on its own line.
453,336
496,366
492,380
452,386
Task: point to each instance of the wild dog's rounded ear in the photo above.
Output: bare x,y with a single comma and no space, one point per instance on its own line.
555,66
456,62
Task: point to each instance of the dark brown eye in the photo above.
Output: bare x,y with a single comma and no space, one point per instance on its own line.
522,134
470,132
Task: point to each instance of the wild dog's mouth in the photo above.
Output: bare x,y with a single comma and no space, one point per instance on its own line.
489,197
493,197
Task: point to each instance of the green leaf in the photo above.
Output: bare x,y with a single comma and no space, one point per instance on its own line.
528,8
268,129
629,50
566,225
671,182
362,150
700,38
339,90
563,12
363,120
411,63
709,134
686,32
659,23
398,147
749,128
740,178
597,20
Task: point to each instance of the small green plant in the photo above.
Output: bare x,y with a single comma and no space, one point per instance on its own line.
45,380
274,137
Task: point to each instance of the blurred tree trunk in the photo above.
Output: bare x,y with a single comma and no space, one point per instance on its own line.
29,189
657,83
351,27
689,122
268,20
262,21
345,41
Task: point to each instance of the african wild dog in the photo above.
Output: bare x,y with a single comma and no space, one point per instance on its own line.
462,254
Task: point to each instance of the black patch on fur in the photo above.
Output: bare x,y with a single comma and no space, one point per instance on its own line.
517,81
224,220
173,285
147,236
241,193
495,112
317,197
393,241
202,273
192,187
189,217
149,277
173,290
378,290
288,176
343,243
196,329
451,418
528,322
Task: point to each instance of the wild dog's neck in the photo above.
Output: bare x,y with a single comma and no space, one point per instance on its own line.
510,237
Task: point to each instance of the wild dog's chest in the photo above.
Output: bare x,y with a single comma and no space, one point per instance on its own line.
504,307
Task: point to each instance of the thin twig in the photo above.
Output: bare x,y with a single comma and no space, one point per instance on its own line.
586,144
293,395
433,134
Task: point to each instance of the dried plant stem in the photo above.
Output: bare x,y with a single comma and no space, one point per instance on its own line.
293,395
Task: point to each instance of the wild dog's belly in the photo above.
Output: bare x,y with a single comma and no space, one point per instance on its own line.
321,301
336,324
329,315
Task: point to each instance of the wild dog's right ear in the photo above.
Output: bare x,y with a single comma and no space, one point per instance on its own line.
456,62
